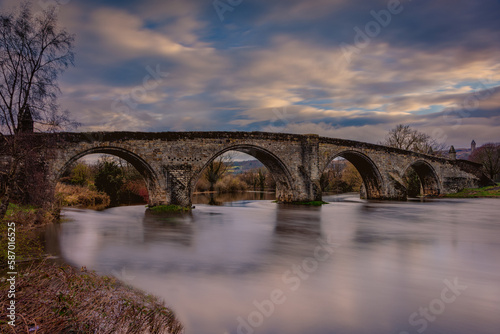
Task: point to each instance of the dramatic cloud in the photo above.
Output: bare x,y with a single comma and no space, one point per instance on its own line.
350,69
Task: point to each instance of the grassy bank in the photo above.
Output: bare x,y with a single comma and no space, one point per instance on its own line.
28,220
54,298
491,191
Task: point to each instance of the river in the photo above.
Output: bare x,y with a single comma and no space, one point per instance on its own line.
350,266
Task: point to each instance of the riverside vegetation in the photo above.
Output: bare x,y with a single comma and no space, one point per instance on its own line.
57,298
109,182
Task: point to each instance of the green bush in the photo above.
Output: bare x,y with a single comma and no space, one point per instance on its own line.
109,179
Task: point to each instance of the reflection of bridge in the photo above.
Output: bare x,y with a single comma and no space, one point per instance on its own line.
172,162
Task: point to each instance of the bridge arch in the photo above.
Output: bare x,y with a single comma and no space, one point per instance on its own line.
147,172
427,175
368,170
276,167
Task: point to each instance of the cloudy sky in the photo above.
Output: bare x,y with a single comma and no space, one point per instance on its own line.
340,68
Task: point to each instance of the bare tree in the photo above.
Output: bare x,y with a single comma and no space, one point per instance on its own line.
33,52
261,178
489,156
406,138
216,169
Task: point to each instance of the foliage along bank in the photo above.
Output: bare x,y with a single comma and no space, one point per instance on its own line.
110,182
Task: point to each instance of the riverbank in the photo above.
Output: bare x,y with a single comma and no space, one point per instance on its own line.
57,298
485,192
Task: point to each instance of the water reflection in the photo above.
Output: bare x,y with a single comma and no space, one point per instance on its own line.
172,228
390,259
298,220
404,228
230,198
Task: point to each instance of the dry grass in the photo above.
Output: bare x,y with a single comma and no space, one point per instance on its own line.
70,195
53,299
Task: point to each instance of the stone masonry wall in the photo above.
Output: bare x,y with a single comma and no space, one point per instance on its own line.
172,162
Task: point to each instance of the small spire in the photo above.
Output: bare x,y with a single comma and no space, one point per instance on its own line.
452,154
25,121
472,145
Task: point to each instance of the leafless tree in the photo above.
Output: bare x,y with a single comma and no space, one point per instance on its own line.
406,138
33,52
261,178
216,169
489,156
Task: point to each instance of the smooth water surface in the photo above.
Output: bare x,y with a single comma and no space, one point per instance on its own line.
351,266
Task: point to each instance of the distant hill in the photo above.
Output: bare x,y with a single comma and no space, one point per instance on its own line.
244,166
463,153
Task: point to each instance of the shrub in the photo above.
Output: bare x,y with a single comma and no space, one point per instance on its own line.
202,185
80,175
69,195
133,192
229,184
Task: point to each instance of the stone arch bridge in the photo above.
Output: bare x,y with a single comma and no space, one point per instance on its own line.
172,162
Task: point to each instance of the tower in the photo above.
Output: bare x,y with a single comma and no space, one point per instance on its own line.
472,146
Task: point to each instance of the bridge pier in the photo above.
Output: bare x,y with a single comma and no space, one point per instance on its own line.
178,184
306,175
394,188
157,198
302,194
